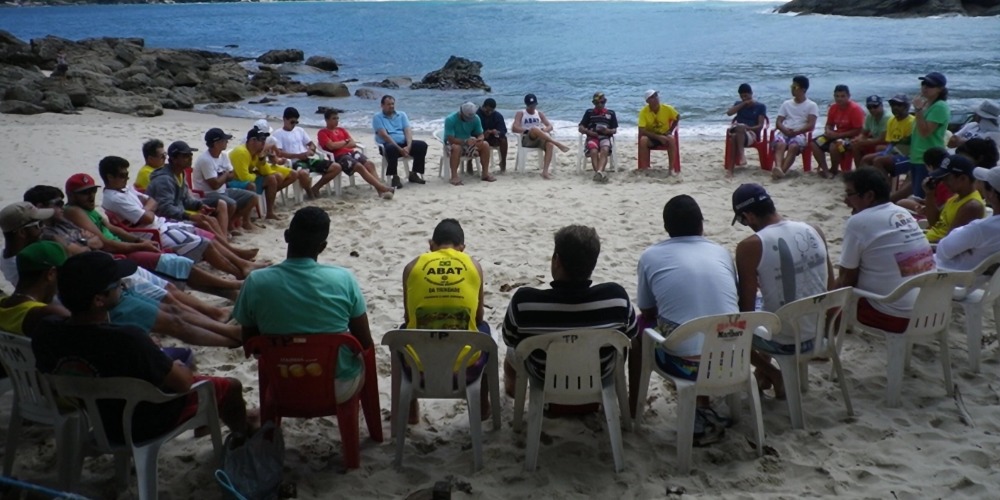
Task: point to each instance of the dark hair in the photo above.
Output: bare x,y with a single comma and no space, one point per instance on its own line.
762,208
943,96
448,231
842,88
490,103
42,195
149,147
578,248
801,81
386,98
330,112
111,165
744,89
682,217
308,230
290,112
934,156
982,150
869,179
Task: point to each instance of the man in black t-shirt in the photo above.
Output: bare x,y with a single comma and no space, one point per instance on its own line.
86,344
494,129
599,125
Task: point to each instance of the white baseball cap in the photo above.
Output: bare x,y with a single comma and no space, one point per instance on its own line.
990,176
651,93
262,125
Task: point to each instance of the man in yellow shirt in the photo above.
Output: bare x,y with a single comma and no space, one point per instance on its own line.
895,158
156,157
656,127
253,171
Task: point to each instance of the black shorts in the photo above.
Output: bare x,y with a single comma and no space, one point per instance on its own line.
823,143
349,160
494,140
653,143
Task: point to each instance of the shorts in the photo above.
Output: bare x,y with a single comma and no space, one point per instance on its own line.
239,185
469,150
868,315
349,160
751,137
184,242
239,198
495,140
528,142
314,165
172,266
901,165
798,140
135,310
150,286
653,143
222,387
677,366
592,143
823,143
772,347
271,169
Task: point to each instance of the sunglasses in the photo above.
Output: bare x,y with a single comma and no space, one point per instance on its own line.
56,202
117,284
293,122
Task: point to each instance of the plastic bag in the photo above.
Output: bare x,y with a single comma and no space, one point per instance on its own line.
253,471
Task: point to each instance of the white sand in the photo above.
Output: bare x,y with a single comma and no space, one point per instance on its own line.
922,450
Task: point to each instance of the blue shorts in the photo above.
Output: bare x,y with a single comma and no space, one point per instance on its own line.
239,184
901,165
677,366
174,266
259,183
772,347
135,310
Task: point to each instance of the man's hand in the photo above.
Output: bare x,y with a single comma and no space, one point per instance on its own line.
205,209
471,141
405,150
147,246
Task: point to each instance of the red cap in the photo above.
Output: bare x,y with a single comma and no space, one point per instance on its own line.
80,182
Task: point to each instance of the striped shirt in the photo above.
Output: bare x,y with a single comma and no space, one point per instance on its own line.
568,305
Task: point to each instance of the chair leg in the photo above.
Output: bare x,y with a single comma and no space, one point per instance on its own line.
611,408
896,345
973,333
122,461
758,417
369,398
645,373
790,378
494,386
537,399
145,470
13,436
350,431
520,388
472,398
949,387
686,408
69,449
839,369
400,416
621,389
734,401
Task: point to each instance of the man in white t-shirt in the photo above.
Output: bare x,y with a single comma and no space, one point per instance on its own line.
984,124
964,248
295,145
883,247
211,174
796,118
682,278
786,260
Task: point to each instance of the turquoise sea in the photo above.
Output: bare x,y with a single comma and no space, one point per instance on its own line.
695,52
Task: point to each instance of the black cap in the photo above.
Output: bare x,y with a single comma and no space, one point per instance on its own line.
934,79
746,196
530,99
215,135
84,275
180,148
256,133
954,164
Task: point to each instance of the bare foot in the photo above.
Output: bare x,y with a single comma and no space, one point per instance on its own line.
272,217
563,148
489,178
729,174
248,253
777,173
455,181
503,167
546,176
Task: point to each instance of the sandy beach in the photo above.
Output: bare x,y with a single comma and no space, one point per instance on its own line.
922,450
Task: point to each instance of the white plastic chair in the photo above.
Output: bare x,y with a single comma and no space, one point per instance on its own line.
581,159
523,152
34,401
337,186
825,312
930,318
89,391
974,302
438,353
724,370
446,155
404,164
573,377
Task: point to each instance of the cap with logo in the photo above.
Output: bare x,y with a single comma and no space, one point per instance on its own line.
746,196
873,100
900,99
215,135
20,214
530,99
599,97
80,182
40,256
934,79
180,148
467,111
954,164
262,125
86,274
257,133
651,93
990,176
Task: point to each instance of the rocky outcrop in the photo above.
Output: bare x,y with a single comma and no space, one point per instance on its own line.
393,82
122,75
328,89
457,73
279,56
322,62
364,93
893,8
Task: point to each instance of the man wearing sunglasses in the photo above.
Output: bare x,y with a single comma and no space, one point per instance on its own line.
21,226
599,124
295,145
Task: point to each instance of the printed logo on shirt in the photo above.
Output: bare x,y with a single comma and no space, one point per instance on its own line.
444,272
915,262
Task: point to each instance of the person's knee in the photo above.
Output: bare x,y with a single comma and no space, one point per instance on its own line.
644,142
483,147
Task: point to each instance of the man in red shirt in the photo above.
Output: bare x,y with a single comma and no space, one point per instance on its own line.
337,141
844,120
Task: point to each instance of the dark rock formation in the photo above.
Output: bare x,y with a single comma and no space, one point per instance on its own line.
322,62
279,56
367,94
894,8
457,73
328,89
20,108
393,82
322,110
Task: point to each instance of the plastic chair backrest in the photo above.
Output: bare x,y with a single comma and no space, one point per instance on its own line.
190,183
821,311
35,401
932,309
573,361
297,372
438,352
725,353
991,291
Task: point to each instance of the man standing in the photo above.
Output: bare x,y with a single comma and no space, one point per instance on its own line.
463,136
748,122
295,145
599,125
796,118
682,278
844,120
338,141
395,141
657,123
963,207
536,132
494,129
786,260
883,247
211,175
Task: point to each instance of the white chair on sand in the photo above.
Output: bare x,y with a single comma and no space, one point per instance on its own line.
930,318
131,392
404,164
431,358
824,313
33,401
523,151
573,377
446,157
724,370
581,159
974,301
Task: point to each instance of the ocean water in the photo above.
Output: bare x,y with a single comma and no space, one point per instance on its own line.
694,52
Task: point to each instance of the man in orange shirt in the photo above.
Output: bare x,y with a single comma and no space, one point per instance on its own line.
338,141
844,120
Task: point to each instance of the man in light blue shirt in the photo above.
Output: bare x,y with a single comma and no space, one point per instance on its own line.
463,136
395,141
